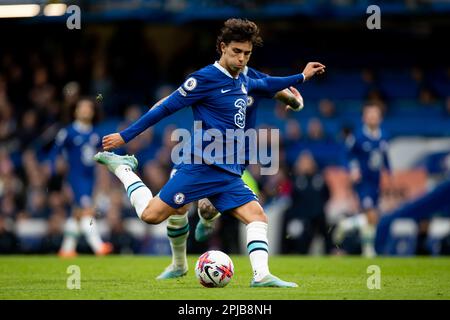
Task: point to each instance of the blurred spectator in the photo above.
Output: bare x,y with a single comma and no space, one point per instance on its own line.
122,241
447,107
292,140
43,95
29,129
155,175
101,82
327,108
315,130
8,240
322,147
71,94
305,218
8,124
37,203
54,236
376,97
426,97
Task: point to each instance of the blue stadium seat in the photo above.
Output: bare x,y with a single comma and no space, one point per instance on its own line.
403,237
438,229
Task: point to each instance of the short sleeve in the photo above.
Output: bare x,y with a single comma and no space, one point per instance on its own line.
193,90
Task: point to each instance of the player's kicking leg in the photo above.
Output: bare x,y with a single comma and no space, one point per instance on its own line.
252,214
151,209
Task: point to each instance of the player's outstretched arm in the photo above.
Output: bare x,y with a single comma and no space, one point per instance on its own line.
115,140
186,95
274,84
166,108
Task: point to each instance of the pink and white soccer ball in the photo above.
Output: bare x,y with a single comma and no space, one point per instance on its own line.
214,269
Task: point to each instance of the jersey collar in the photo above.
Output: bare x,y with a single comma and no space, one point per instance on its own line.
372,134
81,127
225,71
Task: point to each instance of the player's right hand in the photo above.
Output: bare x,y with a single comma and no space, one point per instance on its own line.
312,68
112,141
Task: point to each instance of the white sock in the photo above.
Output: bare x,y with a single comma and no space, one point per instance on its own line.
178,232
356,222
367,240
91,233
258,249
71,233
137,191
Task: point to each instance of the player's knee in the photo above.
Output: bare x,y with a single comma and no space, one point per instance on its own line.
151,217
259,215
262,217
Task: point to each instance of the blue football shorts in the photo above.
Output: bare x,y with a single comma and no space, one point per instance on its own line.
192,182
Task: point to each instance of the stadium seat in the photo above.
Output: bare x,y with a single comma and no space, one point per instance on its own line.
438,229
30,233
403,237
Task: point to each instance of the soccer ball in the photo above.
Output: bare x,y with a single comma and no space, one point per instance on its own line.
214,269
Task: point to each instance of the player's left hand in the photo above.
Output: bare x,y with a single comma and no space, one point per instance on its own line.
299,99
112,141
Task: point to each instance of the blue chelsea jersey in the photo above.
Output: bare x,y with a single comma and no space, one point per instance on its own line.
221,102
253,100
78,144
369,153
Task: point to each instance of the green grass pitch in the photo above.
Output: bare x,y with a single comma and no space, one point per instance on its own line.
133,277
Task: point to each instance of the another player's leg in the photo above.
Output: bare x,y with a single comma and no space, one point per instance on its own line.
252,214
347,225
365,222
367,232
208,215
89,228
70,240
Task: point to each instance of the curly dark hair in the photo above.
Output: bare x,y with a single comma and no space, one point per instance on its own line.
239,30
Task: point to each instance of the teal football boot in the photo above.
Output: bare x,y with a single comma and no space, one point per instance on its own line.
272,281
172,272
112,160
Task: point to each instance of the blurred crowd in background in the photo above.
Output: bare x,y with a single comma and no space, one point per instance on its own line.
128,67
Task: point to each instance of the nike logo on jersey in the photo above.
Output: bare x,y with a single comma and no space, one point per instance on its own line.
225,91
